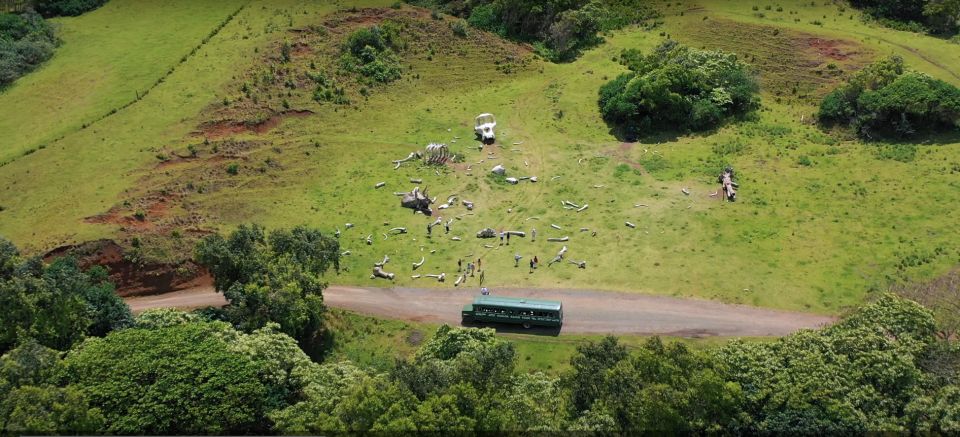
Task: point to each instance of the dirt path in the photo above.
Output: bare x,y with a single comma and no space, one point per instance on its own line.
585,311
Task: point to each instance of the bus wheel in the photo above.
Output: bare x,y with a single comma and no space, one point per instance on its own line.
526,325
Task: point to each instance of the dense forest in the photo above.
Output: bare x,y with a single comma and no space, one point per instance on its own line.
74,360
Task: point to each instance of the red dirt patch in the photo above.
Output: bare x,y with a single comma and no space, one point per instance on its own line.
227,128
831,48
132,278
153,209
623,154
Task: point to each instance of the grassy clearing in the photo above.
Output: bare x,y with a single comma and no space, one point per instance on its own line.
822,221
378,343
86,79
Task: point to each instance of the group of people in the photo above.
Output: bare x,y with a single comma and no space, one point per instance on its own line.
472,268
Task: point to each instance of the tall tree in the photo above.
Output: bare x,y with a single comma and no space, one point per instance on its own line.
275,278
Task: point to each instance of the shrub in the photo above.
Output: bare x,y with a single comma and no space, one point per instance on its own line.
885,99
26,41
233,169
459,28
69,8
677,87
370,52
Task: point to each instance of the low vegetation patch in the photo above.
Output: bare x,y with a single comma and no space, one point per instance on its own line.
940,17
559,30
886,99
66,8
370,52
676,87
26,41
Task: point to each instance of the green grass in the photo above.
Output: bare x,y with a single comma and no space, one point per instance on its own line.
86,78
818,237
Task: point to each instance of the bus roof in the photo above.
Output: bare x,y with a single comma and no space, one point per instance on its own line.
514,302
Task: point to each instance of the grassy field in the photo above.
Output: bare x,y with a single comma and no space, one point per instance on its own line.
377,343
86,78
821,221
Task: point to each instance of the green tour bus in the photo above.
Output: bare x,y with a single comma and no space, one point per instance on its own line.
525,312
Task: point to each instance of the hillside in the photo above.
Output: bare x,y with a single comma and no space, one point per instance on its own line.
822,221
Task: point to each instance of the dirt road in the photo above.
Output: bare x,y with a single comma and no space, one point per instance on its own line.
585,311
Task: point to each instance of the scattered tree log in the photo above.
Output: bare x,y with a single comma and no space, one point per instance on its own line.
630,224
581,264
582,208
417,265
499,170
558,240
379,184
386,259
555,226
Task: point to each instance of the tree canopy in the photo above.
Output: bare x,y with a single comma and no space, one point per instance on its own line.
273,278
676,87
26,41
56,304
885,99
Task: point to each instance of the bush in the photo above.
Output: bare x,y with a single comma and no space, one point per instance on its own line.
677,87
559,30
459,28
69,8
886,100
370,52
26,41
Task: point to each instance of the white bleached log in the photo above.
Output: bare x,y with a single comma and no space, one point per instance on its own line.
370,239
417,265
386,259
581,264
379,184
558,240
630,224
582,208
554,226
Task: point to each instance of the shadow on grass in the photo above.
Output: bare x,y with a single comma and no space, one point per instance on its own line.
508,328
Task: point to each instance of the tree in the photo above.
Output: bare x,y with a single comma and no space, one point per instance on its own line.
48,410
676,87
273,279
476,357
588,365
56,8
857,375
28,364
56,304
183,379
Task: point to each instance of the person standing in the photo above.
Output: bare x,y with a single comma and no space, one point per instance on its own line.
516,260
508,238
501,237
533,235
459,264
481,278
535,261
531,265
479,266
470,268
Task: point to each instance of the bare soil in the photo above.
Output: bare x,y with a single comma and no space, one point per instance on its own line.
585,311
130,277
